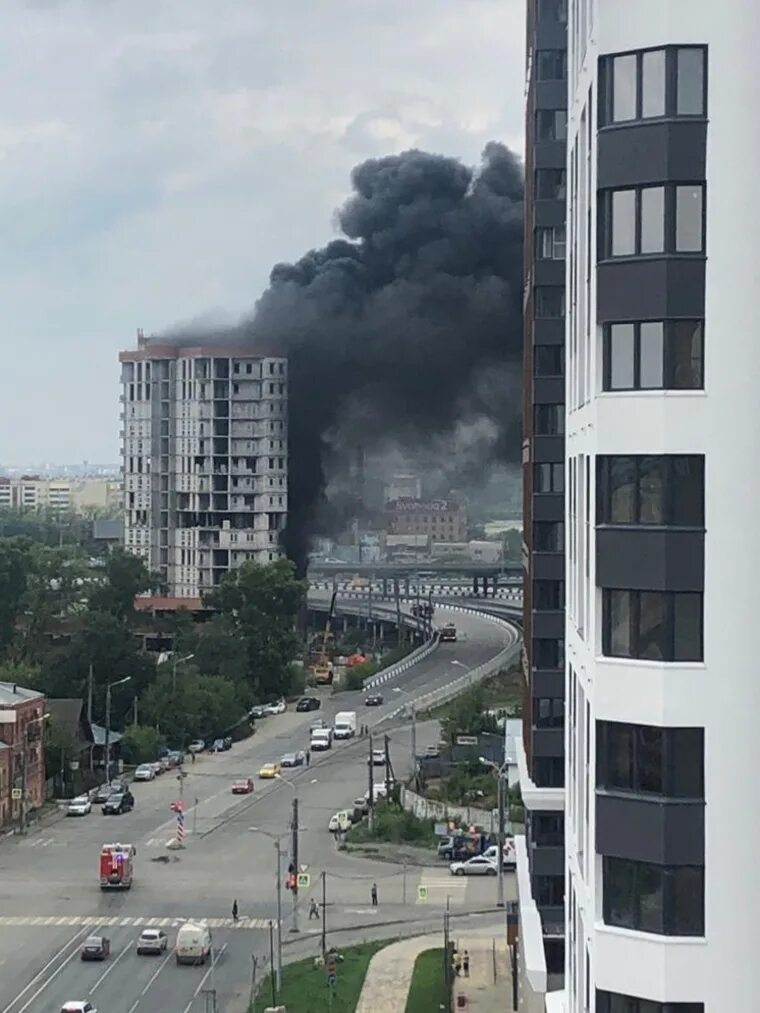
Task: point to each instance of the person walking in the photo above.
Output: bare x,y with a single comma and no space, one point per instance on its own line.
466,964
456,962
308,757
235,910
373,894
313,910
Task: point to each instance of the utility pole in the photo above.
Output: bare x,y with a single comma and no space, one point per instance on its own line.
500,797
371,796
324,915
108,733
271,961
398,610
89,711
294,827
386,745
278,970
134,711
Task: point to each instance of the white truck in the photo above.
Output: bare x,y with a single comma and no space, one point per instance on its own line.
345,725
321,739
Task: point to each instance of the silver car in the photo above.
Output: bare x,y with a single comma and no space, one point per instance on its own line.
152,941
479,865
145,772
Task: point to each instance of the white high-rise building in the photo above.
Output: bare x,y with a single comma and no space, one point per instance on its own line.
663,546
204,453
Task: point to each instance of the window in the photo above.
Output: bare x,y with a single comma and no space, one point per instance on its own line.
667,900
551,125
549,891
550,184
652,625
549,771
554,11
616,1002
551,65
549,477
548,536
648,760
548,712
549,419
550,243
653,83
548,653
548,360
666,490
549,301
652,220
653,355
547,829
548,595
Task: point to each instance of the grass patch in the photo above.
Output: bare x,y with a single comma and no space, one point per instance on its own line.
304,986
502,691
427,993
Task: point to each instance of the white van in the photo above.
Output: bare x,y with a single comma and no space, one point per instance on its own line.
193,943
321,739
510,855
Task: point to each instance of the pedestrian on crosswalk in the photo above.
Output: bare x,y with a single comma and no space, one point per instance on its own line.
466,964
308,757
235,910
313,910
373,894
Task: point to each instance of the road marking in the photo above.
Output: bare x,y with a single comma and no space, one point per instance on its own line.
202,982
75,938
74,953
136,922
155,974
111,965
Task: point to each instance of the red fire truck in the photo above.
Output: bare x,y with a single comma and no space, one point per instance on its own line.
116,866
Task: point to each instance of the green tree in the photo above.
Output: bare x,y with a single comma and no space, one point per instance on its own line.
15,566
125,576
261,604
55,592
467,716
140,744
196,706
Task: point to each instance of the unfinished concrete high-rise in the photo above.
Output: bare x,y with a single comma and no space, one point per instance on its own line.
204,458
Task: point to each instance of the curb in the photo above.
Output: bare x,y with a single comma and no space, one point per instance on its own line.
315,934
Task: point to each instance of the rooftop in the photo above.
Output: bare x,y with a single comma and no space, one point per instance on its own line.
11,694
157,603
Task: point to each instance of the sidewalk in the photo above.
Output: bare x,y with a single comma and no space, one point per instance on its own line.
389,975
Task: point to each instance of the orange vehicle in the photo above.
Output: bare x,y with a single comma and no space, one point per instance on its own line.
323,669
117,866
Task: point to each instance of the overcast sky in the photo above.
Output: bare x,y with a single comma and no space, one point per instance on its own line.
158,156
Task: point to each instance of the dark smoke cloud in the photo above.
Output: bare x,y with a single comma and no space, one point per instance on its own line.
407,333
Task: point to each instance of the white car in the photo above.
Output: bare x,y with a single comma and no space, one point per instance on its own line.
145,772
79,806
276,708
78,1007
196,746
158,767
479,865
152,941
378,758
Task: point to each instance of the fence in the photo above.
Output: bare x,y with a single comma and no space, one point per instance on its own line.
426,809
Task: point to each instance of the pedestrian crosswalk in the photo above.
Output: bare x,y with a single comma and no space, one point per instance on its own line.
435,887
133,922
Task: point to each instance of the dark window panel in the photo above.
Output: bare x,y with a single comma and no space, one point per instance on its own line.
551,184
553,11
685,355
663,625
649,898
653,83
551,65
663,490
647,760
616,1002
549,420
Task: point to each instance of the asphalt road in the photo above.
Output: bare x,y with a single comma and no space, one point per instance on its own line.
50,899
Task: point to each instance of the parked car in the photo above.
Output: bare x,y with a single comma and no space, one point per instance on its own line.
296,759
432,752
227,742
509,855
455,846
278,707
95,948
118,785
269,770
309,703
478,865
145,772
316,724
362,803
217,746
259,711
176,757
341,820
118,803
196,746
244,787
79,806
163,763
100,794
152,941
373,700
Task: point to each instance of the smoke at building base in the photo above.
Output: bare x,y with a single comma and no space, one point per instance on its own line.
404,336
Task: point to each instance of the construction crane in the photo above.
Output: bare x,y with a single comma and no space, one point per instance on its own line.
323,667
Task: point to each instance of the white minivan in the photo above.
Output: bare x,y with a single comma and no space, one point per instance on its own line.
193,943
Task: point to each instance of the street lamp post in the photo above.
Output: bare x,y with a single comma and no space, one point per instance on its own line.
397,689
276,838
501,774
109,687
175,662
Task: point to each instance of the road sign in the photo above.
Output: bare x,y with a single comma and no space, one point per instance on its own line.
16,793
422,894
303,880
467,740
331,979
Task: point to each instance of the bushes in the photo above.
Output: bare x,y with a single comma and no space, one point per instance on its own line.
393,825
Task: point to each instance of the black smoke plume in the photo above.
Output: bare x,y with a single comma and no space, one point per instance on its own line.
407,333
